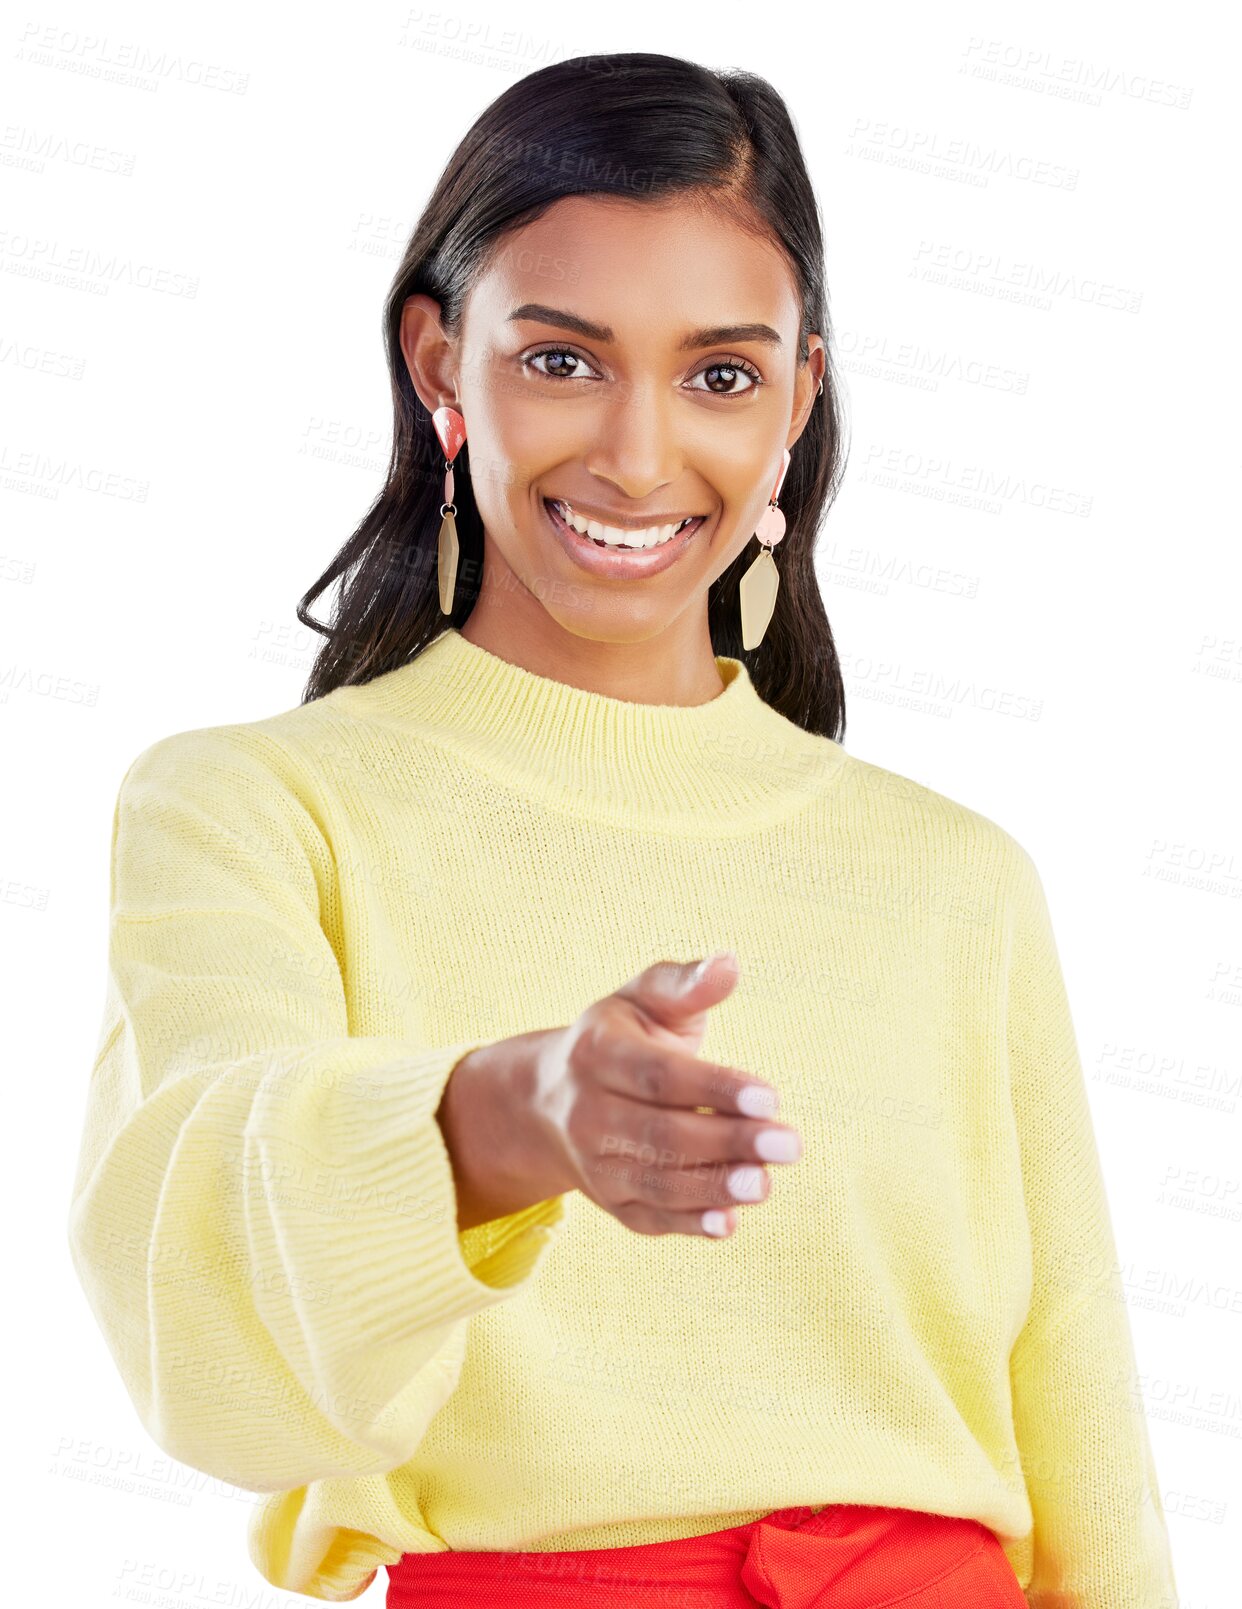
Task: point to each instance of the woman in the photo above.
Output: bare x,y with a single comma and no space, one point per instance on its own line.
422,1191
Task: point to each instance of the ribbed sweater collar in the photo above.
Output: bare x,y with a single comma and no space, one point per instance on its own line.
725,766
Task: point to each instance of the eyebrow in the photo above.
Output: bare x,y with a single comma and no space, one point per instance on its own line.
713,335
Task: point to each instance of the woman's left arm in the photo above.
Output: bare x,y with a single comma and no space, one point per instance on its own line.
1100,1538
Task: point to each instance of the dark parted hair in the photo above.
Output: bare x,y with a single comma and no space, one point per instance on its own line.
641,126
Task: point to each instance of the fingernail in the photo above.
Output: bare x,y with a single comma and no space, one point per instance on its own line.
715,1223
704,967
778,1145
746,1184
693,977
756,1100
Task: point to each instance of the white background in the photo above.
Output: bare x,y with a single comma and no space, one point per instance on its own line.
1032,571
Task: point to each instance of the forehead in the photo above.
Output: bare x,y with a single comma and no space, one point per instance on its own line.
647,269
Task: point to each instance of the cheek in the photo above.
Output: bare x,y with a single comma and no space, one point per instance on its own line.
521,449
509,414
733,463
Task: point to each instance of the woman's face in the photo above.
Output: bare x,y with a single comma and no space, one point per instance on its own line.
638,363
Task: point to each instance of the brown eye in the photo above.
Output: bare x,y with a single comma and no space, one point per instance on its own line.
557,370
727,374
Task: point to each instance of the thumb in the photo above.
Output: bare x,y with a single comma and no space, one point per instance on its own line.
669,992
706,976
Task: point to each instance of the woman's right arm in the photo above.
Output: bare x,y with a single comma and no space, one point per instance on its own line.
264,1217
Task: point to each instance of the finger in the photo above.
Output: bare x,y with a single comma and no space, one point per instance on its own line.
614,1181
664,1137
620,1171
643,1220
669,991
620,1058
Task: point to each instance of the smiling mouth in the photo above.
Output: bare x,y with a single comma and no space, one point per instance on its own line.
610,538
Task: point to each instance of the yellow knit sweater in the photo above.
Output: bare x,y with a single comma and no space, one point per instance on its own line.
314,916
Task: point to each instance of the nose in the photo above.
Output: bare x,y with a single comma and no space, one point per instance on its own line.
638,450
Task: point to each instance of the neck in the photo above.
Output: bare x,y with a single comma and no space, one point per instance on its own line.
676,667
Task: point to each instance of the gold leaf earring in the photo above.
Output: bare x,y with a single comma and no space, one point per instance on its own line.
451,429
758,589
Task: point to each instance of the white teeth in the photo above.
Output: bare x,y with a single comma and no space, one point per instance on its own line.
612,536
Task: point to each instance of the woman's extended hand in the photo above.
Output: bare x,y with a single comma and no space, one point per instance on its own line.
618,1091
610,1106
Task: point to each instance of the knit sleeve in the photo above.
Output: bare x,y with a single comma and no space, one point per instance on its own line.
264,1218
1100,1539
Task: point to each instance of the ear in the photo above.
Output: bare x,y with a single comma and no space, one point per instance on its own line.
430,354
806,386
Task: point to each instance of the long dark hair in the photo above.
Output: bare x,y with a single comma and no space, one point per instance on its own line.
630,124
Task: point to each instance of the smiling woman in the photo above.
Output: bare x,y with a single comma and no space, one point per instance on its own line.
650,435
647,447
623,305
408,1197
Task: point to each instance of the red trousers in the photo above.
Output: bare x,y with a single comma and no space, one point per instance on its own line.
843,1556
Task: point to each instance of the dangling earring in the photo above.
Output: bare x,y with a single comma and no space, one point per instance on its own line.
757,592
451,429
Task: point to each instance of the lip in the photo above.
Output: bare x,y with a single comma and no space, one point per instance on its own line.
624,564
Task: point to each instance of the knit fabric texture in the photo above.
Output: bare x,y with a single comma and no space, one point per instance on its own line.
315,916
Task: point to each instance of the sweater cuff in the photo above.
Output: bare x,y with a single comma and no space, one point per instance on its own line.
501,1252
377,1221
505,1250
